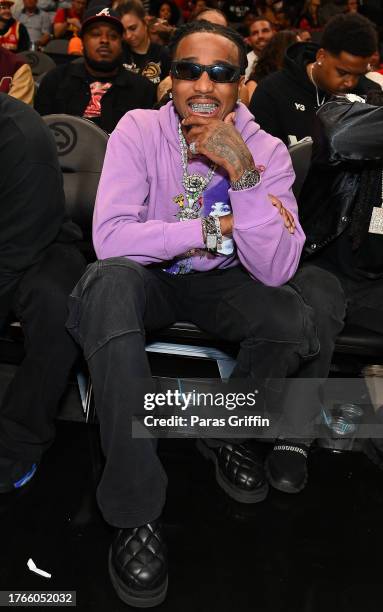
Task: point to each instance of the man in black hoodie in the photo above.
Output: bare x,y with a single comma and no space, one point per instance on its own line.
284,104
39,265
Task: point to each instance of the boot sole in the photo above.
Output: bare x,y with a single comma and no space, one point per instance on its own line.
243,497
285,488
149,599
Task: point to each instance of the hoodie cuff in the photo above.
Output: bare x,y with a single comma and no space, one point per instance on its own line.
251,207
182,236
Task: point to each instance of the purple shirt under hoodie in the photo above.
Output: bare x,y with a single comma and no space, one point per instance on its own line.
135,213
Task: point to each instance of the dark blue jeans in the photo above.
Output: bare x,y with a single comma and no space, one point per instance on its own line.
118,300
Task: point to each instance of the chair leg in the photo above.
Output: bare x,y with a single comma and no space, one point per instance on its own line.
225,367
86,395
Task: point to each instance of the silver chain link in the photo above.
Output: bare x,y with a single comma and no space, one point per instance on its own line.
194,184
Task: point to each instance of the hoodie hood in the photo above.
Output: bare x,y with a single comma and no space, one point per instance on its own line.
169,119
296,59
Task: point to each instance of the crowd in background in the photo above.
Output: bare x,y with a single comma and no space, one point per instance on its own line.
268,28
38,21
46,19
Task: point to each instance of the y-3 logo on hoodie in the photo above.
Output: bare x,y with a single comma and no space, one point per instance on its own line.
300,107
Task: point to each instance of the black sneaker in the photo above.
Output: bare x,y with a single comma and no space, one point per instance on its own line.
239,471
138,565
286,466
15,474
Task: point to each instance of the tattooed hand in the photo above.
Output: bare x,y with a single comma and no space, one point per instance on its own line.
220,142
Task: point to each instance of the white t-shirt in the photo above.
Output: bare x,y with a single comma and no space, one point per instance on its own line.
376,77
252,59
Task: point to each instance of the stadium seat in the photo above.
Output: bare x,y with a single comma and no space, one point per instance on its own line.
57,45
81,147
39,62
300,154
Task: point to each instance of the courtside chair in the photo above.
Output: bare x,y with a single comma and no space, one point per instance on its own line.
81,147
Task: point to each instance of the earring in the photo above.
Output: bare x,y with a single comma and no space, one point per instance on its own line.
170,95
319,63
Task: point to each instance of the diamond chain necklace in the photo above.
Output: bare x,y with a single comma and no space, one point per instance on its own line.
194,184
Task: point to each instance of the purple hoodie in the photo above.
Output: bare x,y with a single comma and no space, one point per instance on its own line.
135,212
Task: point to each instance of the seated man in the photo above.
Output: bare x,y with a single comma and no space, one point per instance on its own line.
13,34
67,21
214,16
162,257
261,31
39,264
285,103
16,77
37,22
100,89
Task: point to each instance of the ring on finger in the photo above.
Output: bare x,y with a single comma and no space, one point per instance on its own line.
192,148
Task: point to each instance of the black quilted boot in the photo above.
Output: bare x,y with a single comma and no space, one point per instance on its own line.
239,471
138,565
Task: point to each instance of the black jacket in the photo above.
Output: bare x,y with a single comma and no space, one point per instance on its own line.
284,103
65,89
32,203
348,139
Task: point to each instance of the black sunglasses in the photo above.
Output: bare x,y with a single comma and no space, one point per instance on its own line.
219,73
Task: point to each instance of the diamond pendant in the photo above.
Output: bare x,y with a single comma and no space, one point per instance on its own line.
194,183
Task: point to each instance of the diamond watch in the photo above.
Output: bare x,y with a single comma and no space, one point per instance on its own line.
249,178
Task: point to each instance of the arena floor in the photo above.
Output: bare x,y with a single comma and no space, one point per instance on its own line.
318,551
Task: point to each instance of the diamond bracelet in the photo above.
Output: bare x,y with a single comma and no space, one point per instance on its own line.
211,232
